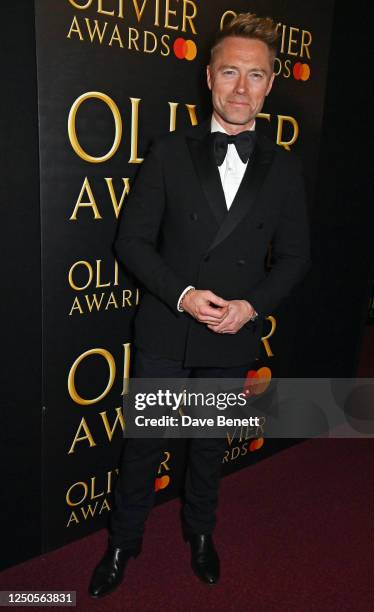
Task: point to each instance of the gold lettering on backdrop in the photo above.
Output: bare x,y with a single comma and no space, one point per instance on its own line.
134,143
246,432
116,36
94,302
173,114
71,378
96,30
87,265
95,495
80,484
266,116
182,11
99,284
281,120
225,15
278,66
157,13
189,17
73,519
75,29
126,190
148,35
133,37
112,373
292,41
265,339
283,36
111,301
72,126
88,512
80,492
101,10
72,498
76,306
169,12
164,464
165,38
305,45
86,188
91,203
134,159
80,6
139,12
119,419
84,433
80,438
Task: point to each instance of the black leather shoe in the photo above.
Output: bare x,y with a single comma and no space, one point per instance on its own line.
108,574
204,558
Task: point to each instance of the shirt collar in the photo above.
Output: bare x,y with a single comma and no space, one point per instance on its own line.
217,127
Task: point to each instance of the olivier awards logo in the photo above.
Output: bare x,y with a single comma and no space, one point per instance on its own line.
140,26
90,497
245,439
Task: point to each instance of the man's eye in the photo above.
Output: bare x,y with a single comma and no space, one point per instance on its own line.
257,75
228,72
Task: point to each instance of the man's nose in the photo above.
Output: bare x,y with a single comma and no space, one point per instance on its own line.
240,85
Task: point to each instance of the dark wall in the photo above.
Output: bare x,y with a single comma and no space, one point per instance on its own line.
21,398
342,220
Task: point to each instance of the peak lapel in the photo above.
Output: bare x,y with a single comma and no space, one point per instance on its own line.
248,192
201,151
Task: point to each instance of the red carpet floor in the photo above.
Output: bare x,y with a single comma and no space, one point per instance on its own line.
295,533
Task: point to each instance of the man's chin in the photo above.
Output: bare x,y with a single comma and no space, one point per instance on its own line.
238,120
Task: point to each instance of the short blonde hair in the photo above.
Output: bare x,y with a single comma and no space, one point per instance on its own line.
248,25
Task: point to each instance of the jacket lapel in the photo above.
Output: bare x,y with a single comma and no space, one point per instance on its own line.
247,195
201,151
207,171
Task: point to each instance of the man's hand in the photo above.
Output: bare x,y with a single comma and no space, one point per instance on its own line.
205,306
239,313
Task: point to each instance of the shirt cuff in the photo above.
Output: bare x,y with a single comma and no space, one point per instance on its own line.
179,308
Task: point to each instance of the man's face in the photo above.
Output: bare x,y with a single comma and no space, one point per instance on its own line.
240,76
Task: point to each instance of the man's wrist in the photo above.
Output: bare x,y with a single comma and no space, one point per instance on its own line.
181,297
253,315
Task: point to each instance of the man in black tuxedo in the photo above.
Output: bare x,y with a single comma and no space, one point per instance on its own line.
195,233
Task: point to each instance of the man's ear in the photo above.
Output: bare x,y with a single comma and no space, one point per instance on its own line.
209,76
271,81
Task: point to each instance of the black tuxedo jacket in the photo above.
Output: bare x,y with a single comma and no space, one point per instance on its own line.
175,231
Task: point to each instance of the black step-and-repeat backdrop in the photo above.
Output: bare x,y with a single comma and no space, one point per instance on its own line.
112,75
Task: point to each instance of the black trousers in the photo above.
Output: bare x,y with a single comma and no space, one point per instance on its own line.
134,492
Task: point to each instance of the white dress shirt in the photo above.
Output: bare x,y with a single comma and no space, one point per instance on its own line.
231,172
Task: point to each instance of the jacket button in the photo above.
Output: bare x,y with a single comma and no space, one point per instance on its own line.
207,257
241,262
260,226
193,216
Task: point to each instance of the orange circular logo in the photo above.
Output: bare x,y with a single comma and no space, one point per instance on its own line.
301,72
162,482
256,444
185,49
257,381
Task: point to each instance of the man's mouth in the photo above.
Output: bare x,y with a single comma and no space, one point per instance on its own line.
236,103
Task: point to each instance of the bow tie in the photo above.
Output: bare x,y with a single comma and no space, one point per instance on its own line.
244,143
